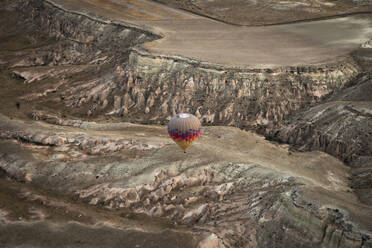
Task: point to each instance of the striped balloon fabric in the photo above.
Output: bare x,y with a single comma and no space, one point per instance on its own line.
184,129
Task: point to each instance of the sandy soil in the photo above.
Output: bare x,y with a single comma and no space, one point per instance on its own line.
200,38
266,12
34,218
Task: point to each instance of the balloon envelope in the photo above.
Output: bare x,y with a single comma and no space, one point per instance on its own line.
184,129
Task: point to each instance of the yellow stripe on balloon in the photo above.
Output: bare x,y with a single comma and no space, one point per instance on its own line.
184,144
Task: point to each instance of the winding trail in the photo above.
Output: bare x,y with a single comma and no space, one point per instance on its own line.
196,37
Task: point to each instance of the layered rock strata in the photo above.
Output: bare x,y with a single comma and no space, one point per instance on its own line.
151,88
242,197
340,125
234,189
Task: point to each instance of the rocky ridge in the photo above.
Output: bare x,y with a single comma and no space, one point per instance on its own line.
235,188
340,125
149,88
239,200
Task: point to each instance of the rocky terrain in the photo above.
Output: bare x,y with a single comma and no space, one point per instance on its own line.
340,125
85,159
253,12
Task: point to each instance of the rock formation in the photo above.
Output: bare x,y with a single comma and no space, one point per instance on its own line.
75,91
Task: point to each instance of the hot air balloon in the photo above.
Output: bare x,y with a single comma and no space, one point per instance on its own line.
184,129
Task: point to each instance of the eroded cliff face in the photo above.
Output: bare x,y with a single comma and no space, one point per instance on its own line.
233,190
243,98
67,37
230,191
159,88
340,125
148,88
